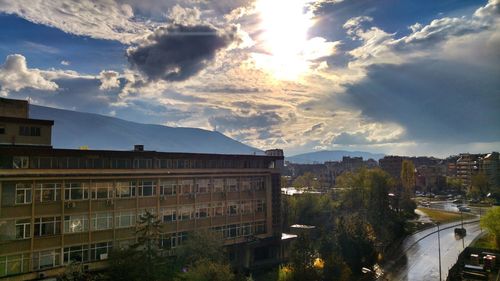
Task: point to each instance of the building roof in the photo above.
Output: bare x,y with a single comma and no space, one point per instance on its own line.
47,151
26,121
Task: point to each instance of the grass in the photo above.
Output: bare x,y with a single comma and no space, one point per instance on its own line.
486,241
444,216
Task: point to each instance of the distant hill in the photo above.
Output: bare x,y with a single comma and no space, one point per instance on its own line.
330,155
74,129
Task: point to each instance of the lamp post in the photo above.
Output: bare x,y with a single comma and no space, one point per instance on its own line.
439,252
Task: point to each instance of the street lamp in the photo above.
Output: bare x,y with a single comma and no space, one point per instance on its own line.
439,251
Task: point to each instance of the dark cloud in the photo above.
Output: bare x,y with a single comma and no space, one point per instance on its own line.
351,139
434,100
239,122
314,128
177,52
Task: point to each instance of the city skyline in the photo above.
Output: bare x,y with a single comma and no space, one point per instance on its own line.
378,76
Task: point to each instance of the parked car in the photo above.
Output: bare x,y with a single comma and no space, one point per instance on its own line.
460,231
464,209
456,201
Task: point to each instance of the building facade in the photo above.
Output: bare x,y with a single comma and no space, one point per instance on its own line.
59,206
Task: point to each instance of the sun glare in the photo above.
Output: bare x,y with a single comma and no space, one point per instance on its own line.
285,24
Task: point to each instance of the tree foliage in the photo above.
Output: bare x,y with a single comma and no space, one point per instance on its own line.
307,180
491,221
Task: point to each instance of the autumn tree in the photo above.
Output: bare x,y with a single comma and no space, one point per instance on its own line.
480,185
491,221
408,184
307,180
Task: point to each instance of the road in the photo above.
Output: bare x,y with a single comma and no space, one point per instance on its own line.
419,259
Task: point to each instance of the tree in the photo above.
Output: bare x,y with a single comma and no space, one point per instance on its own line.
408,183
208,270
491,221
149,235
307,180
480,185
455,183
302,259
76,272
202,245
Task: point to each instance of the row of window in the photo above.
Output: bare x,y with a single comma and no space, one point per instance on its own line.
47,192
19,263
36,162
46,226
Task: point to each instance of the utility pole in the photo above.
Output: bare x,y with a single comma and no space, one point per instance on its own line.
439,251
463,236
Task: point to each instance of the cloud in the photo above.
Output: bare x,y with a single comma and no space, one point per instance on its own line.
109,79
65,62
177,52
103,19
15,75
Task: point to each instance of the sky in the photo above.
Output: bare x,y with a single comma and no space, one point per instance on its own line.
393,76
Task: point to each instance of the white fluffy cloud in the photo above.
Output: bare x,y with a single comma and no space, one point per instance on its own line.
109,79
15,75
103,19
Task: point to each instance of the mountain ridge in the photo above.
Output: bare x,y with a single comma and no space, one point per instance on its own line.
73,129
330,155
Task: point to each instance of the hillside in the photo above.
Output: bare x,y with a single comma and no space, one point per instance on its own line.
330,155
74,129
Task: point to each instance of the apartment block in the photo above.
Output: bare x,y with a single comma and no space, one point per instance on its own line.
59,206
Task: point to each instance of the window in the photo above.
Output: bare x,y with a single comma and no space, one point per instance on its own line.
29,131
218,185
143,163
257,184
20,162
14,264
125,189
202,185
245,184
147,188
125,219
47,192
2,129
185,212
173,240
232,184
76,191
47,226
260,206
46,259
202,210
100,251
232,230
260,228
169,214
218,208
76,223
186,186
232,208
168,187
102,190
23,193
246,229
246,207
101,221
76,254
23,229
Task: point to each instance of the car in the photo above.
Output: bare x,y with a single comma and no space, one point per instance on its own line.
460,231
464,209
456,201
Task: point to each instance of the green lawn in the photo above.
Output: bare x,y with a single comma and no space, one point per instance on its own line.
444,216
487,241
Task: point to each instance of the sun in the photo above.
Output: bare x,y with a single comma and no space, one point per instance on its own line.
284,25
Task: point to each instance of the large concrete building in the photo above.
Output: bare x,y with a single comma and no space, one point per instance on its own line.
59,206
488,164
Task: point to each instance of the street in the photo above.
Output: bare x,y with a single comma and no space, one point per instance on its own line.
419,260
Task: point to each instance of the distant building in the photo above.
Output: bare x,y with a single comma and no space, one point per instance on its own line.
469,165
59,206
